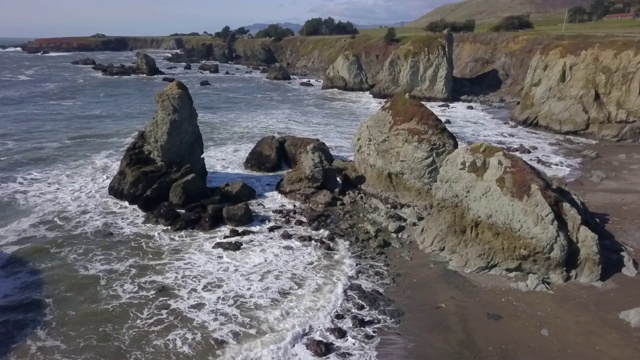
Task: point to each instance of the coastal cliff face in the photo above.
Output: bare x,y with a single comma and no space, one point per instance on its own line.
423,69
591,89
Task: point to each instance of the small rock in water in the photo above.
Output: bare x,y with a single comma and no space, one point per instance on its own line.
378,243
168,79
338,333
470,107
544,332
233,233
369,337
273,228
444,106
319,348
228,246
447,121
327,247
298,222
339,317
286,235
205,83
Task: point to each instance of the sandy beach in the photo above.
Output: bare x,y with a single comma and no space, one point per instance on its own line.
461,316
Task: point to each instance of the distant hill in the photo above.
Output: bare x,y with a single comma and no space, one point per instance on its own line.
259,26
491,10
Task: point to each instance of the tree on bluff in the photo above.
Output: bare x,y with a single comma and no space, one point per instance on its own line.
513,23
276,32
328,26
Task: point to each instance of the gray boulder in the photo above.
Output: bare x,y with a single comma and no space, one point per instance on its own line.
147,65
346,74
271,154
312,171
295,147
266,156
238,215
188,190
494,211
400,149
278,72
237,192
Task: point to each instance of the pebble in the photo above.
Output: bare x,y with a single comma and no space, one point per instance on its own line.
544,332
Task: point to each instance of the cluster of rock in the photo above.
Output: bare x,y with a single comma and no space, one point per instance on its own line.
163,172
144,65
489,210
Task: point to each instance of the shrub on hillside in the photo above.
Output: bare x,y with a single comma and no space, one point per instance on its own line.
456,27
328,26
513,23
390,36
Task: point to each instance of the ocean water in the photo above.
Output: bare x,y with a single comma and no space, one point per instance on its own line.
82,278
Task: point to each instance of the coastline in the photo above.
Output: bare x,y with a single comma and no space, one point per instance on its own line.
461,316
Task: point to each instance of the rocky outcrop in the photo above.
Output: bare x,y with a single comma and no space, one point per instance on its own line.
488,210
85,62
494,211
146,65
163,171
271,154
278,72
211,68
346,74
312,171
422,69
164,162
591,91
399,150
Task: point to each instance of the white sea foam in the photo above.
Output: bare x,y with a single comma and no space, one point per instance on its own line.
11,49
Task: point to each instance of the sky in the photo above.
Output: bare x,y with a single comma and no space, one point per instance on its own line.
48,18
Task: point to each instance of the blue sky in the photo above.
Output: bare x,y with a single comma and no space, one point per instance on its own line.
34,18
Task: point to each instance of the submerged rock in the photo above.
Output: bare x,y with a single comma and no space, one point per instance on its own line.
347,74
319,348
228,246
85,62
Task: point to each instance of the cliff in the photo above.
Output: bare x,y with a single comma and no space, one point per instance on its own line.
111,43
586,87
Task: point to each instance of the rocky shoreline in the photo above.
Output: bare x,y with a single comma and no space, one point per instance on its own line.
479,208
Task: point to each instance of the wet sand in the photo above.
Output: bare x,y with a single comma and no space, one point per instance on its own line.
459,316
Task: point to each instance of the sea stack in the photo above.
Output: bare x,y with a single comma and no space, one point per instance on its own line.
169,150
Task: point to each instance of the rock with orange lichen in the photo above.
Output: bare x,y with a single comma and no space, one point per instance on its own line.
494,211
400,149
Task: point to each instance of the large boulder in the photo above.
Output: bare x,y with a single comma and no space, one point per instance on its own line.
422,68
399,150
238,215
147,65
347,74
237,192
296,147
266,156
278,72
188,190
312,171
168,150
494,211
271,154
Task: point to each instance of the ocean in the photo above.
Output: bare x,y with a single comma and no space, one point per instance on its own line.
81,277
